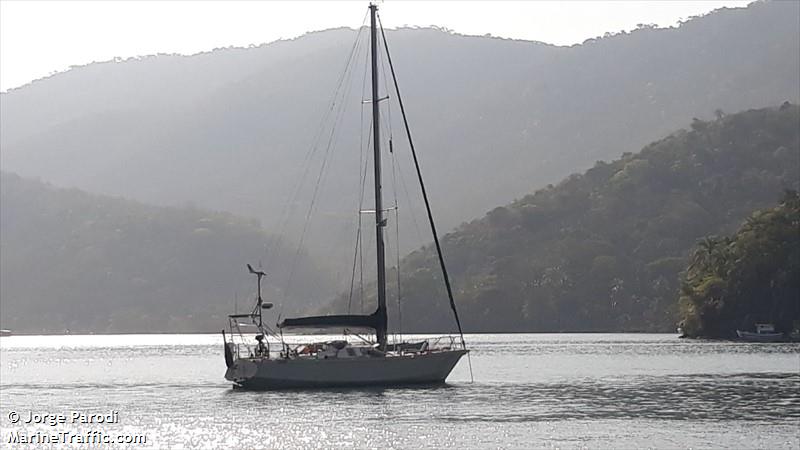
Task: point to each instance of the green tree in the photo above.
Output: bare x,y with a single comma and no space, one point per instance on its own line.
753,276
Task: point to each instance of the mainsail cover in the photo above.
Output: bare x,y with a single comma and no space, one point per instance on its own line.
376,321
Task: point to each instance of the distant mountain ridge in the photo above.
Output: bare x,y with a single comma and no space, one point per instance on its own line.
76,262
493,118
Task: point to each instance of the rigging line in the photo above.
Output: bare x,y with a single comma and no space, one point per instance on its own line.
363,166
397,242
390,133
397,270
469,363
362,182
399,168
307,159
334,131
361,273
284,216
310,211
354,50
360,207
386,125
333,104
363,104
410,208
340,115
363,159
424,193
321,174
388,103
353,274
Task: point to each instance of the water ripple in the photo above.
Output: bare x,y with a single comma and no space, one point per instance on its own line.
553,391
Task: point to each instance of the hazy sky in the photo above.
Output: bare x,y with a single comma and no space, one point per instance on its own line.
41,37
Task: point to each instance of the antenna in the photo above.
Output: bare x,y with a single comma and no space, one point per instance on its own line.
260,274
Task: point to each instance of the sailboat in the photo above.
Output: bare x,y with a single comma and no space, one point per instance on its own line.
252,364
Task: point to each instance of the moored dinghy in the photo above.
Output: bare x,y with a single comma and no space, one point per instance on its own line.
765,332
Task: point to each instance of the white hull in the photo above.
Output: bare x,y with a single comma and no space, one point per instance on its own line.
427,368
759,337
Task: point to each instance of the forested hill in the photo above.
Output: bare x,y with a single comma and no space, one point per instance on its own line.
86,263
752,277
603,250
493,119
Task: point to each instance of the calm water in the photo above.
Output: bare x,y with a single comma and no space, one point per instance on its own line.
530,391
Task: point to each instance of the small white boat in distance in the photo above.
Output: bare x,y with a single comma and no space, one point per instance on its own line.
765,332
5,332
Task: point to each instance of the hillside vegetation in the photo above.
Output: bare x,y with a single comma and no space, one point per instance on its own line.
602,251
752,276
493,119
86,263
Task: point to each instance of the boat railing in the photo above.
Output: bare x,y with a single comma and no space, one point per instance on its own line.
250,351
447,342
242,348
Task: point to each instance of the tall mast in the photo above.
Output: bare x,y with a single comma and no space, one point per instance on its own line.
380,222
